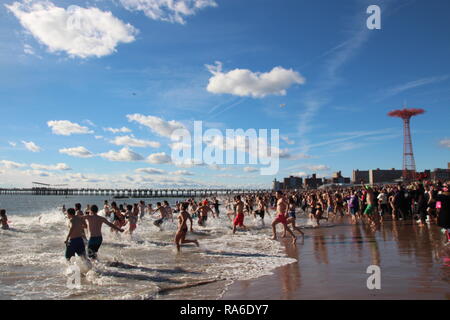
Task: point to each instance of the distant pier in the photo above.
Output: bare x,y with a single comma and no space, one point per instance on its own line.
131,193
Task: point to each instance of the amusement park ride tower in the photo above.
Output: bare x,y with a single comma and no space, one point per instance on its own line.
409,165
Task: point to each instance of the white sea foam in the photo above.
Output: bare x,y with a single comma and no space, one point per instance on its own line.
132,267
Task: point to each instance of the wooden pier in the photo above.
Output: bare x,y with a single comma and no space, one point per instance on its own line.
131,193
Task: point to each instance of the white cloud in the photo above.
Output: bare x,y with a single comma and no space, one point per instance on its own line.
150,171
445,143
11,164
31,146
67,128
250,169
118,130
190,163
131,141
89,122
156,124
37,173
244,143
318,167
12,144
98,137
287,140
124,154
179,145
56,167
159,158
27,49
415,84
181,173
311,167
299,174
80,32
245,83
79,152
173,11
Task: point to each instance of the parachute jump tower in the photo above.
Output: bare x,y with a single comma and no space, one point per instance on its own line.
409,165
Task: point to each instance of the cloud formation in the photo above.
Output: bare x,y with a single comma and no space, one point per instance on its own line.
181,173
124,154
156,124
79,152
67,128
174,11
11,164
445,143
159,158
245,83
131,141
31,146
55,167
118,130
80,32
150,171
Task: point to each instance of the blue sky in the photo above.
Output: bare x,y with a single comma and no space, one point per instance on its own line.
93,63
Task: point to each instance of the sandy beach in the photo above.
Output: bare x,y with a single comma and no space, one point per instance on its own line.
332,264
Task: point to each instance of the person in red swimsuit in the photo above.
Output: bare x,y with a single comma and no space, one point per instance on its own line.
280,217
239,219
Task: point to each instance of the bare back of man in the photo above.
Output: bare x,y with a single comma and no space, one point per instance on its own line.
95,224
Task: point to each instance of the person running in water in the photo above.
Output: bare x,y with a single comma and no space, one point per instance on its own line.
163,217
141,209
107,210
282,207
203,213
291,217
261,209
119,218
132,215
95,223
180,236
216,205
239,219
80,213
169,211
4,219
74,240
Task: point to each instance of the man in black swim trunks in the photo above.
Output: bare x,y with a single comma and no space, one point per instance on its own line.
74,240
261,209
163,213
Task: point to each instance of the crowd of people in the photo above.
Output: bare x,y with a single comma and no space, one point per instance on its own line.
425,203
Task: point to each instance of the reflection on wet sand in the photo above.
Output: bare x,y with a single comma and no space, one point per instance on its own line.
332,264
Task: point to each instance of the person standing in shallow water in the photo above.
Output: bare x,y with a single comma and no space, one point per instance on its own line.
180,236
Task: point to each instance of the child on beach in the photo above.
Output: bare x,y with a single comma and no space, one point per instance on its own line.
4,219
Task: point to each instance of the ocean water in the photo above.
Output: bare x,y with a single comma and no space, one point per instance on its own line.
142,266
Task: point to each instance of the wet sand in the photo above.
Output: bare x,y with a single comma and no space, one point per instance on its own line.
332,264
